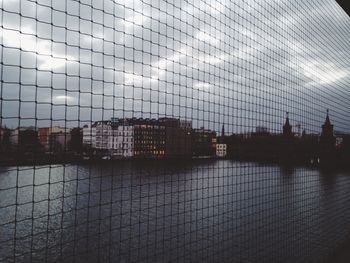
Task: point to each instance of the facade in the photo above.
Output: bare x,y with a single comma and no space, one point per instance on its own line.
287,128
328,143
15,134
221,150
222,144
59,141
5,137
109,136
327,137
127,137
104,130
121,141
44,137
149,138
89,135
341,139
178,142
25,139
49,136
204,142
186,125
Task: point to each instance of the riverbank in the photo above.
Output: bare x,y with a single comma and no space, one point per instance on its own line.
72,158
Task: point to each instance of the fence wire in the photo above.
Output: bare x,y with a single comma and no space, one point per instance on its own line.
174,131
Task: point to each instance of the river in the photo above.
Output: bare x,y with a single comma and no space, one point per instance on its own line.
199,211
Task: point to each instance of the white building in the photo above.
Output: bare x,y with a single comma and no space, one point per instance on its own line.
118,139
121,142
14,136
89,135
221,150
104,131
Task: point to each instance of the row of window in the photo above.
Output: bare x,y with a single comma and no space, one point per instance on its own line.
149,142
149,152
124,146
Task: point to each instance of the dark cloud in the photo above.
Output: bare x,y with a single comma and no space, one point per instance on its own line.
242,63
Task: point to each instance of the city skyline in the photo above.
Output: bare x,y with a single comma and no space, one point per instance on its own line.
296,128
170,138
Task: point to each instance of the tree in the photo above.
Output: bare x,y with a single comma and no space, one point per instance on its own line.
28,141
5,142
76,140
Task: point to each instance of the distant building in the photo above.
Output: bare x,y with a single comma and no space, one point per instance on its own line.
121,140
44,137
204,142
15,134
149,138
221,150
25,139
49,136
339,142
186,125
5,137
327,134
104,130
14,137
89,135
340,138
287,128
59,141
127,137
76,140
96,135
261,130
244,135
222,144
178,141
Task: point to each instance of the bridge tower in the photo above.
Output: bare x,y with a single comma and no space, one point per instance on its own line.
287,128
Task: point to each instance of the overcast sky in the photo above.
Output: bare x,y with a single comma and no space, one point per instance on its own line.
241,63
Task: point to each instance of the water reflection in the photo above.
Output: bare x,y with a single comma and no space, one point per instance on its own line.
217,211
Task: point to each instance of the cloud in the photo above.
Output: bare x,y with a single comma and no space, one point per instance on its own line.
9,1
25,40
138,80
245,57
50,63
62,99
134,20
321,73
207,38
202,86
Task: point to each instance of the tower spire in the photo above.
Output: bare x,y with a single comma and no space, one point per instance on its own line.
327,139
287,128
327,127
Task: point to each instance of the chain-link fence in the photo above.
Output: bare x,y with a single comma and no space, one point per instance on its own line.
173,131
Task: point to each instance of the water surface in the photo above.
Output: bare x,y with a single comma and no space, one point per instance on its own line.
202,211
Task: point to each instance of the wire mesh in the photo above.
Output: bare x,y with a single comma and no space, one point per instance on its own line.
173,131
